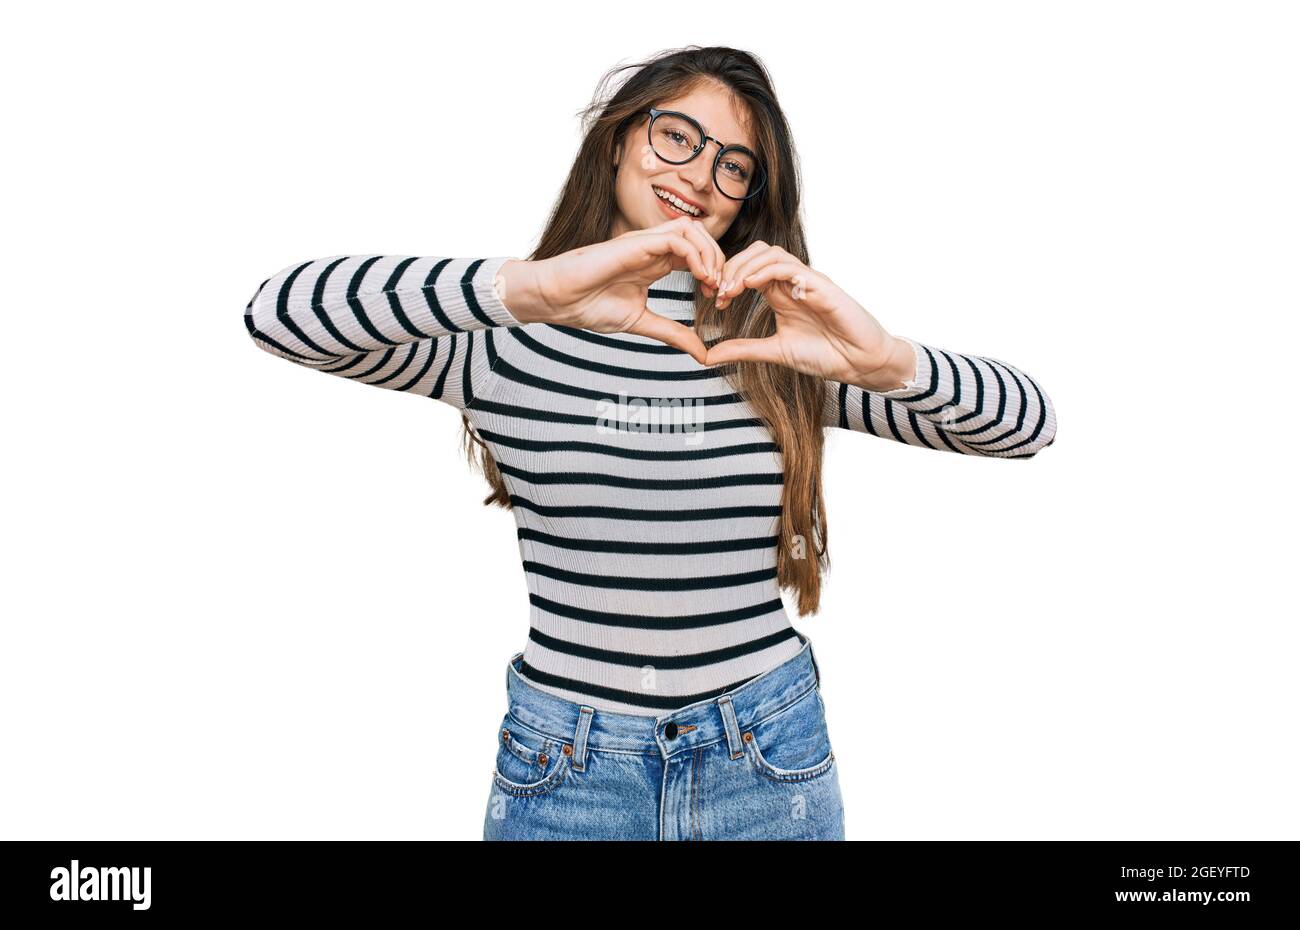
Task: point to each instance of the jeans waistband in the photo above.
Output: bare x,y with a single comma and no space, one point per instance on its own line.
708,721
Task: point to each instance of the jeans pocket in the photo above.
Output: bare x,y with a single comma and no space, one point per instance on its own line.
528,764
793,744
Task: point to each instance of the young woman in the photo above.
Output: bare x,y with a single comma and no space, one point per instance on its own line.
647,393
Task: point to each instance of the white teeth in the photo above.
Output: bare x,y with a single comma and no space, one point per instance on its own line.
677,202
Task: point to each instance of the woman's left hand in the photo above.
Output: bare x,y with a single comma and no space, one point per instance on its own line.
820,330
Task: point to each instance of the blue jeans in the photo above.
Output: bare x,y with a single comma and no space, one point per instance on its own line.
754,763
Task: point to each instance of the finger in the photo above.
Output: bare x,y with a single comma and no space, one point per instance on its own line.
671,333
744,254
709,250
767,349
746,258
693,232
743,269
675,240
710,253
666,224
799,275
650,230
672,243
719,257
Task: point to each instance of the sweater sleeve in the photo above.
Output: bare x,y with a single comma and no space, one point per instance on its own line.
423,325
955,403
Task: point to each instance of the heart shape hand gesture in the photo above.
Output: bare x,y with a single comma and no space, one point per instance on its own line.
604,287
820,330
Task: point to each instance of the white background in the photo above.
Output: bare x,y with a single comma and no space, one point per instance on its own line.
246,600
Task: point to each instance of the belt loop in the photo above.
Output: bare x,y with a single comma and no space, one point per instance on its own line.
730,725
580,738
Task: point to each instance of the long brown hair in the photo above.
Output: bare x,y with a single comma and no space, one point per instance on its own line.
789,403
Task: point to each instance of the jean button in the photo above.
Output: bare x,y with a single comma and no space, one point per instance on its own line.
670,731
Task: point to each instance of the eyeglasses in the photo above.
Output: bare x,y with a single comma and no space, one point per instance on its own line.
677,138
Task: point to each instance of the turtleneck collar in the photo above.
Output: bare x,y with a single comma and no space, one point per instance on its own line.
673,295
681,280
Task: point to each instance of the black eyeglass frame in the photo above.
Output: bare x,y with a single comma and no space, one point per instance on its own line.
705,139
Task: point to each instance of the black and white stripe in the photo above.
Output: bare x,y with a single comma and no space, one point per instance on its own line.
955,403
650,555
404,323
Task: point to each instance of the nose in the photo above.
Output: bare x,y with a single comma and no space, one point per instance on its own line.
696,174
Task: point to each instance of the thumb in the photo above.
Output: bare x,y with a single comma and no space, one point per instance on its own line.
767,349
670,332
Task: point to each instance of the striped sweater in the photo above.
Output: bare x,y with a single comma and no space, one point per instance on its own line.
646,492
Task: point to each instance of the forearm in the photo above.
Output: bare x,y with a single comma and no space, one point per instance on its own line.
337,307
952,401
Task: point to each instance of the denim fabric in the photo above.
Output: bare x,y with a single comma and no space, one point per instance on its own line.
752,764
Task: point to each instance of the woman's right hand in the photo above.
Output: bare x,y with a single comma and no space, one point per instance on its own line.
604,287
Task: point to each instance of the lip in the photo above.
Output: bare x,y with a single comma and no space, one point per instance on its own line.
678,194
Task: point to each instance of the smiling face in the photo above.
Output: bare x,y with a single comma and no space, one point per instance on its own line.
641,173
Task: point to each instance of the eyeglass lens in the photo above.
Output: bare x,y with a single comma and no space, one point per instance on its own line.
677,140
